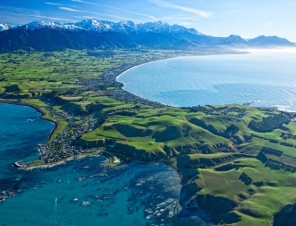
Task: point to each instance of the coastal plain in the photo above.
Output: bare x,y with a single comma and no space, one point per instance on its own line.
237,162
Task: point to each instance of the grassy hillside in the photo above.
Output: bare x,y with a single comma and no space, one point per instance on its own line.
237,162
218,156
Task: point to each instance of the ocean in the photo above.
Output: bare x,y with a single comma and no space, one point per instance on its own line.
85,191
264,78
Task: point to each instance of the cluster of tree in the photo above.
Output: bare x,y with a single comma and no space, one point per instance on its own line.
269,123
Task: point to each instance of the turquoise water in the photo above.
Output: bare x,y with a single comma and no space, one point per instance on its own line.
266,78
21,129
130,194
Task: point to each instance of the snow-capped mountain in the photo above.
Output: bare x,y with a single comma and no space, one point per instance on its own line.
43,24
4,27
93,25
108,26
100,34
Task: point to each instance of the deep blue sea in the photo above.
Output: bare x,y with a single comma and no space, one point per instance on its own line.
265,78
84,192
21,129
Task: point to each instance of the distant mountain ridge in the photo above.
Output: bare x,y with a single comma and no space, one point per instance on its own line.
91,33
4,27
107,26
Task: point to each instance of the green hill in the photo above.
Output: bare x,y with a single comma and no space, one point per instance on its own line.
236,162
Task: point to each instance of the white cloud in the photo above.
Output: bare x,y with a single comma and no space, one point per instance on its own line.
69,9
90,3
112,16
53,3
201,13
135,13
48,17
111,7
95,13
101,16
181,18
11,15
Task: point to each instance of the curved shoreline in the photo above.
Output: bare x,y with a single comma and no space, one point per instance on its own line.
153,61
285,108
170,58
36,108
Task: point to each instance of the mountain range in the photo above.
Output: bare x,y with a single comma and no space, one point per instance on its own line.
95,34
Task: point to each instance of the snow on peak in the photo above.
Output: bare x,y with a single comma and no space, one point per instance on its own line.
108,26
95,25
4,27
44,24
41,24
154,27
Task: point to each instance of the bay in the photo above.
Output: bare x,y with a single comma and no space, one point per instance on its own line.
21,130
265,78
86,191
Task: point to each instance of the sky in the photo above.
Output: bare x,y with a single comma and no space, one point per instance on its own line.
247,18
